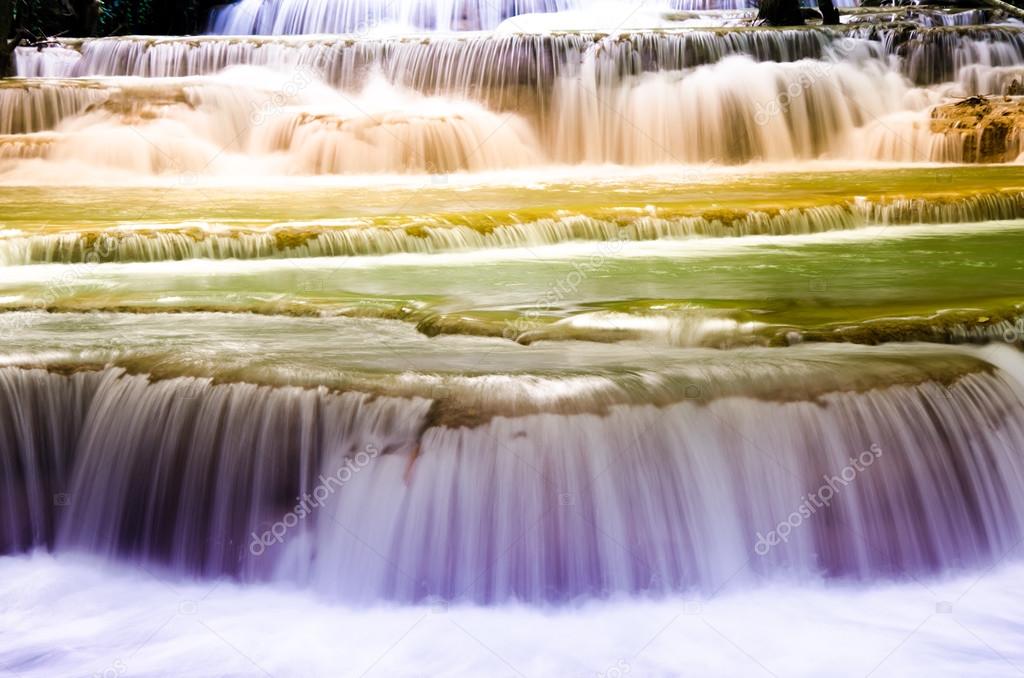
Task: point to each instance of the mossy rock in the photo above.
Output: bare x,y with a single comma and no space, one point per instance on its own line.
289,238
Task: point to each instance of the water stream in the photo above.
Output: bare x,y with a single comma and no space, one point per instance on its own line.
530,338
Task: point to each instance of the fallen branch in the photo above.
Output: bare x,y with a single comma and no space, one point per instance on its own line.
1010,9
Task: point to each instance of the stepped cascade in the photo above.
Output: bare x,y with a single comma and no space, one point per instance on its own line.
664,98
298,17
542,337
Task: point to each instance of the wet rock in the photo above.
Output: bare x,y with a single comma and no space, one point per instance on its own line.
990,129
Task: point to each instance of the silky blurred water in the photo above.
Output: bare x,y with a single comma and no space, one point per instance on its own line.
68,617
570,348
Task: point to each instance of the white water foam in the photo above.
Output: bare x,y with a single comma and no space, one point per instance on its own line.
66,618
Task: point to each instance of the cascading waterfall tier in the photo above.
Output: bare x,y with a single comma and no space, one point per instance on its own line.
475,103
553,322
540,499
42,104
924,16
992,80
355,237
938,55
298,17
734,111
474,64
434,142
155,126
480,63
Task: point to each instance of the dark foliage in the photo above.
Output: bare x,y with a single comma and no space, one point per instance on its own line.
35,20
780,13
93,18
155,17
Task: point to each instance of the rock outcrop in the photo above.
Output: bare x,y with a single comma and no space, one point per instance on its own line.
991,128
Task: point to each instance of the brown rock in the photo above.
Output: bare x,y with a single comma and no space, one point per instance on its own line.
991,130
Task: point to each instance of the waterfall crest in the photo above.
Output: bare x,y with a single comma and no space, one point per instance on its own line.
355,237
475,103
299,17
924,476
455,64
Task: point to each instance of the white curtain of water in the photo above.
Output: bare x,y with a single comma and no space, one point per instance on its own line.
626,498
354,238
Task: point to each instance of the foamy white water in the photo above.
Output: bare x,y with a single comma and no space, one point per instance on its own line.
66,617
436,107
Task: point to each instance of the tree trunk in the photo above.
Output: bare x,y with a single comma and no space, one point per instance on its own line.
1012,10
7,41
87,15
829,13
780,13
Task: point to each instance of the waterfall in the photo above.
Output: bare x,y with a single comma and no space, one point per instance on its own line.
438,64
939,55
364,238
734,111
482,63
297,125
330,105
926,16
257,17
54,61
991,80
730,112
428,320
387,497
411,134
298,17
291,125
39,105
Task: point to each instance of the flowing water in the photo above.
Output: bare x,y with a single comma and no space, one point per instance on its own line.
520,338
291,17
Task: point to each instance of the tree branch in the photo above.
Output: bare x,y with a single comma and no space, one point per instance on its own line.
1012,10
